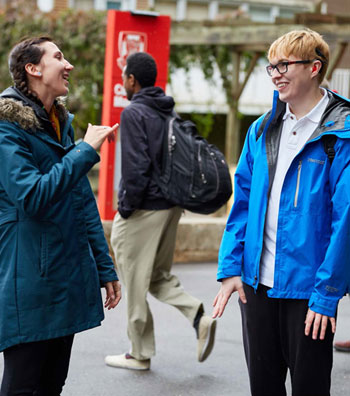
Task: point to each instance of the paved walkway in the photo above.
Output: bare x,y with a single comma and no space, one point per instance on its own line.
175,370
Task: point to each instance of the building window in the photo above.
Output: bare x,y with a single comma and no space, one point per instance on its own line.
113,5
259,13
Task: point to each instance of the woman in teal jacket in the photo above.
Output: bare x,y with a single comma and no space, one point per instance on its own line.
53,255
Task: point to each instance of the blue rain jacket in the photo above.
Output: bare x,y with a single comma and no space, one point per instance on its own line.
53,254
313,233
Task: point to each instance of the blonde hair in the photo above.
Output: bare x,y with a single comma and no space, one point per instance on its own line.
304,44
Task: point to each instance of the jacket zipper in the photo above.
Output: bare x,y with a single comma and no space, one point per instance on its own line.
298,185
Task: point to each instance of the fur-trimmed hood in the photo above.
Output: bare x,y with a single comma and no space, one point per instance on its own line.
14,111
17,108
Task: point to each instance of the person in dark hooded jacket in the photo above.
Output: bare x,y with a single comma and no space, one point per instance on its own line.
53,254
144,229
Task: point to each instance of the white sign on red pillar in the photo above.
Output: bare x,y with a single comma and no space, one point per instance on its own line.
126,33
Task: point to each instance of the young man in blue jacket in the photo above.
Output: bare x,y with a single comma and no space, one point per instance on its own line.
144,229
286,246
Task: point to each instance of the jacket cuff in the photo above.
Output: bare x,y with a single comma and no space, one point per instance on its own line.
230,257
125,213
86,148
110,277
323,306
235,271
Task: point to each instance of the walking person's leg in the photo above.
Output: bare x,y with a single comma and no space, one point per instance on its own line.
167,288
342,346
135,242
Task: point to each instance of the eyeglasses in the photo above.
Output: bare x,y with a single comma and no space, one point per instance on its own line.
282,67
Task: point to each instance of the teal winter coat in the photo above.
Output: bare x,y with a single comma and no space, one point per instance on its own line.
53,254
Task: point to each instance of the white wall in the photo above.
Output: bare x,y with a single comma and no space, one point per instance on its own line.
193,93
45,5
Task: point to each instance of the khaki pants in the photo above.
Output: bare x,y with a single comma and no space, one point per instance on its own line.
144,247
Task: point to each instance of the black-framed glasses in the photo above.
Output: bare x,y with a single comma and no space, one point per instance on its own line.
282,67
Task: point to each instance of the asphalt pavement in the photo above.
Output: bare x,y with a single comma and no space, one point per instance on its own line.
175,370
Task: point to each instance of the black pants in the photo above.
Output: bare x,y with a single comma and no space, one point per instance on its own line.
36,368
274,341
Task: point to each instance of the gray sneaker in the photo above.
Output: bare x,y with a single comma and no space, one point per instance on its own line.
206,337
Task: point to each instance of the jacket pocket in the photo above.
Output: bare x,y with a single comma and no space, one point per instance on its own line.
52,252
43,262
298,185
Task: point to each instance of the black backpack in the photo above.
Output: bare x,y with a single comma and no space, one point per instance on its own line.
195,175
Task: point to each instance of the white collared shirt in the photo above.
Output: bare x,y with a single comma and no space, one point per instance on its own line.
295,133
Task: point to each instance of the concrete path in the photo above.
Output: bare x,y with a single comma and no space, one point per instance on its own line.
175,370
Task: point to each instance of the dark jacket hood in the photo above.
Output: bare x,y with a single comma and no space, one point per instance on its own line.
155,98
16,107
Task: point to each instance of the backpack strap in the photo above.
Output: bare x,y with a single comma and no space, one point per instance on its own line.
328,145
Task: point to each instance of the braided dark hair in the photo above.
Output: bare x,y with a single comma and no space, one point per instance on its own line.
26,51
